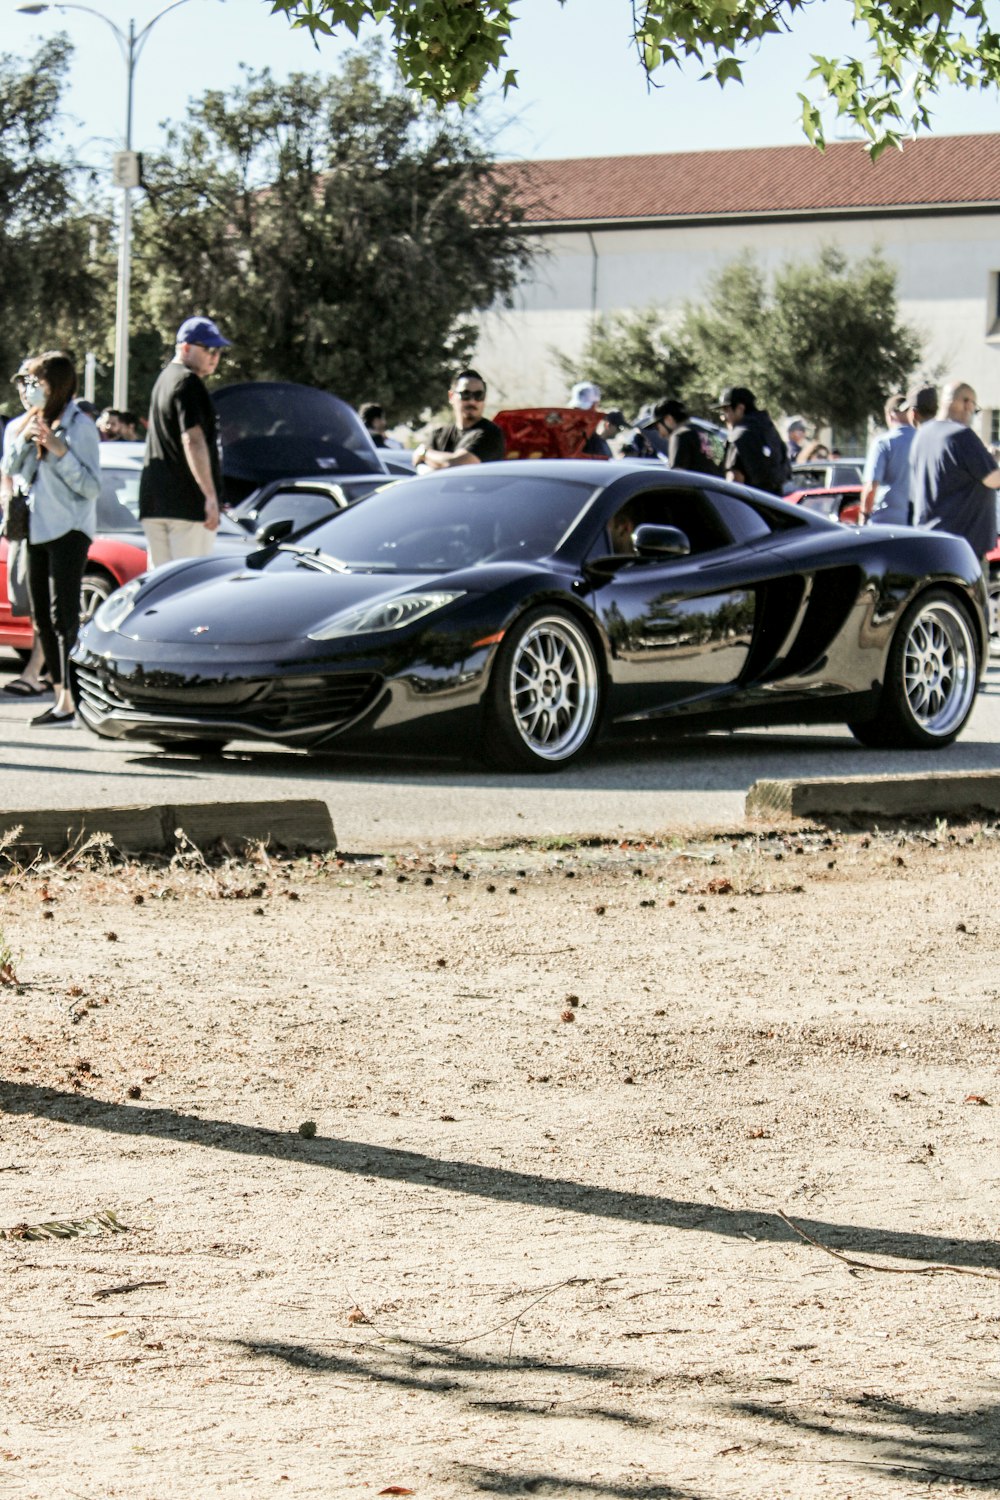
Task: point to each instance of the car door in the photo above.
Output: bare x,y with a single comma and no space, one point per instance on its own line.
681,628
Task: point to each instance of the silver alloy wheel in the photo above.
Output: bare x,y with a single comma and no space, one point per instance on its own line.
554,688
93,592
939,667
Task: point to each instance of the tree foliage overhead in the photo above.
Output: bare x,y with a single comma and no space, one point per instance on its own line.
908,49
342,233
53,248
820,337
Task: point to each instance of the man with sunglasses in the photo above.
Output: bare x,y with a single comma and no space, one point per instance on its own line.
954,475
471,438
182,474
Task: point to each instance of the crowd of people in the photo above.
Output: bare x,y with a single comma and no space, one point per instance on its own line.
927,468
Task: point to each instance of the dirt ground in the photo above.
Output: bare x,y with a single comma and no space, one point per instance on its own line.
563,1098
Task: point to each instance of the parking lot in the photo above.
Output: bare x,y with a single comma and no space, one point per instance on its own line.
625,787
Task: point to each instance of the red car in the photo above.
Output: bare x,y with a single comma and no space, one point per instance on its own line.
547,431
841,503
117,554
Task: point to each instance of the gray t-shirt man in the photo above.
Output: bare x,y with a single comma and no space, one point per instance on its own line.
953,474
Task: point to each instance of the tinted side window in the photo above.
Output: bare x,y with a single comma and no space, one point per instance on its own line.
688,510
742,521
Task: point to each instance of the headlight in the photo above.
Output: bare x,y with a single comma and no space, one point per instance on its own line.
115,610
390,614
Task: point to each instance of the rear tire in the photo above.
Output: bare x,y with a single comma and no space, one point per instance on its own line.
931,678
543,703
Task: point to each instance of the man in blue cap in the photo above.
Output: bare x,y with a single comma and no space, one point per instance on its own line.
182,476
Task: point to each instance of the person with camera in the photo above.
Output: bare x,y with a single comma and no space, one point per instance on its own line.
55,453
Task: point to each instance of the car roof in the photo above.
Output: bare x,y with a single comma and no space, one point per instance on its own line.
122,455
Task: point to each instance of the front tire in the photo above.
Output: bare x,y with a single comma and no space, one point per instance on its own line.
931,678
95,588
545,695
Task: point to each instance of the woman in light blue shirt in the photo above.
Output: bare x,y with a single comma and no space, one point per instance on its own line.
56,453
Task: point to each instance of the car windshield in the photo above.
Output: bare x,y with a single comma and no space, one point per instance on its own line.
449,521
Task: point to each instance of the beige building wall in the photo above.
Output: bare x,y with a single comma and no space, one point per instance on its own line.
947,269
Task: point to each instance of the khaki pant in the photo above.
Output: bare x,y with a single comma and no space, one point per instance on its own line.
169,540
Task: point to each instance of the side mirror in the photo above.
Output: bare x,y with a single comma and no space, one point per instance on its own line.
273,531
660,541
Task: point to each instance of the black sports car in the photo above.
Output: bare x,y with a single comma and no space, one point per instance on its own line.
517,609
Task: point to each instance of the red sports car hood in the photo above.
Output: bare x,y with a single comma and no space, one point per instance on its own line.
253,606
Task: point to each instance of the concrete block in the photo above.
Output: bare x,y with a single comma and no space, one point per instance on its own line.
943,794
292,823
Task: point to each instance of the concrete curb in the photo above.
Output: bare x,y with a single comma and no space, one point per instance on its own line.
297,823
932,795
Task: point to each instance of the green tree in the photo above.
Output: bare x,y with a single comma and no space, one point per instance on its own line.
727,333
53,247
823,338
907,49
635,358
341,231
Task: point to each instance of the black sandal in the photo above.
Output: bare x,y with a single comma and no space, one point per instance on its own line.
18,688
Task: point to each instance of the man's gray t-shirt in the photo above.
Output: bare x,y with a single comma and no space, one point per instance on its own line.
948,463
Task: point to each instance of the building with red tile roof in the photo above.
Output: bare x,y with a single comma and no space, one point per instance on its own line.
624,233
960,174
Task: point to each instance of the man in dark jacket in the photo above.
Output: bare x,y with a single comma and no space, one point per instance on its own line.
672,421
755,454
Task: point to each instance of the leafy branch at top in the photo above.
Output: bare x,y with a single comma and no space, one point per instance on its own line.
907,49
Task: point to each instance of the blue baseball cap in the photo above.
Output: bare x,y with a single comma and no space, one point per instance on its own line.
201,331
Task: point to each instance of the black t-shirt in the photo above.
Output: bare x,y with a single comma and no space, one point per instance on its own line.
484,439
167,488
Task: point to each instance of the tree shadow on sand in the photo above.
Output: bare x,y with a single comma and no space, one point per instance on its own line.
363,1159
955,1444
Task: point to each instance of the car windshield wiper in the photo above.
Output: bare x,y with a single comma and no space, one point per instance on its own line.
313,557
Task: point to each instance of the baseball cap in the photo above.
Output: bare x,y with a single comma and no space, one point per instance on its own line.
923,398
585,395
737,395
615,417
201,331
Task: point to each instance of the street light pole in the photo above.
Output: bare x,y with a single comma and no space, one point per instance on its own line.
131,44
120,397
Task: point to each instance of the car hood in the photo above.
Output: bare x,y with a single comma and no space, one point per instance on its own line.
254,607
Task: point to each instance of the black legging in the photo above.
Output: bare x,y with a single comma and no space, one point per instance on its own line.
55,573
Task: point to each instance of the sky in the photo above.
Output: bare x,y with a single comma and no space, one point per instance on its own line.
581,90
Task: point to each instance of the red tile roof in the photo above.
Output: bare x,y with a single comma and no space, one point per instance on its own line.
930,171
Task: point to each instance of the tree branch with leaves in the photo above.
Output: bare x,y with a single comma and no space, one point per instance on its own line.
448,50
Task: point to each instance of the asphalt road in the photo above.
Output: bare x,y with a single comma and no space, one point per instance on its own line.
625,788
